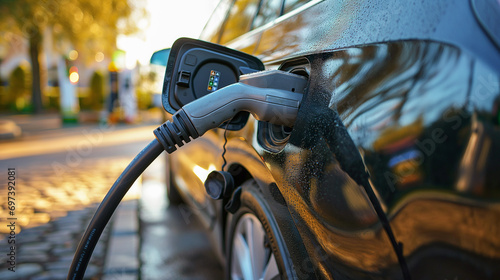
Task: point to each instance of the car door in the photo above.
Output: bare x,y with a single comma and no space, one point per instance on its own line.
404,113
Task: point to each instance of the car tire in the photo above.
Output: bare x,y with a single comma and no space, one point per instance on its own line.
173,195
254,244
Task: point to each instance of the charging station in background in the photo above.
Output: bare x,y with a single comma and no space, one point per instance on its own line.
121,103
127,96
67,74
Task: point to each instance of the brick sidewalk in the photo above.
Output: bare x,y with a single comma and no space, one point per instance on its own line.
56,205
52,214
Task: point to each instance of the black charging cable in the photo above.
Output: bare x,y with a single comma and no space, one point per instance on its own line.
108,206
169,136
275,105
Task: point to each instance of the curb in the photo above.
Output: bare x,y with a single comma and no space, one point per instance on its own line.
122,260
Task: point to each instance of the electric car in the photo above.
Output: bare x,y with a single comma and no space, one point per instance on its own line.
391,170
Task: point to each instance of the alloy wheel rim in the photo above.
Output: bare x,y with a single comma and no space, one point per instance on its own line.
252,257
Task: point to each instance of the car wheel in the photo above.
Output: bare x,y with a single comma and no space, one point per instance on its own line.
254,245
173,195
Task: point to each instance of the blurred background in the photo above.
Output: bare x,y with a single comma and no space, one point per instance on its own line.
78,100
72,57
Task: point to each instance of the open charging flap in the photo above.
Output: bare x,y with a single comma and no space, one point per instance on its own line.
196,68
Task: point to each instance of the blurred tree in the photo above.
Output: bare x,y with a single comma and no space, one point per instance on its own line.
91,26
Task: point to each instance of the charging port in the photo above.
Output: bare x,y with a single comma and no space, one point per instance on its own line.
274,137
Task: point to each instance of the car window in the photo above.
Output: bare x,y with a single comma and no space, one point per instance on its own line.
240,19
269,10
293,4
211,32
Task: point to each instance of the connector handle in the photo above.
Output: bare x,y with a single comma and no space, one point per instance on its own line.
276,106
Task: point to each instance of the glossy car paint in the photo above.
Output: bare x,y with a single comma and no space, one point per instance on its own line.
416,86
421,117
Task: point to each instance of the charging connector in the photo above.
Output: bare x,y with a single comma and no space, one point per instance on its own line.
272,96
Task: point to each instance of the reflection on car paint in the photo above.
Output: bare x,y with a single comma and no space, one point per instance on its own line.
424,118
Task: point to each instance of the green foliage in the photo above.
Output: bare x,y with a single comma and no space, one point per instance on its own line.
97,91
3,95
144,99
19,90
53,98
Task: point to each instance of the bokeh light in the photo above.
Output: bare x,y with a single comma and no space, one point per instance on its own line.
74,77
99,57
73,55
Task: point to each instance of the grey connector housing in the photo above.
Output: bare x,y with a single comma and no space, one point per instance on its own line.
272,96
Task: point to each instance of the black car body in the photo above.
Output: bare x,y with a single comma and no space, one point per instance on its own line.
403,93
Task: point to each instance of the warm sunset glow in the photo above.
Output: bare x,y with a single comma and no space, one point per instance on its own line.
164,27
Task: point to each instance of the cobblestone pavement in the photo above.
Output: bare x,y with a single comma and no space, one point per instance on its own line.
52,213
61,177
